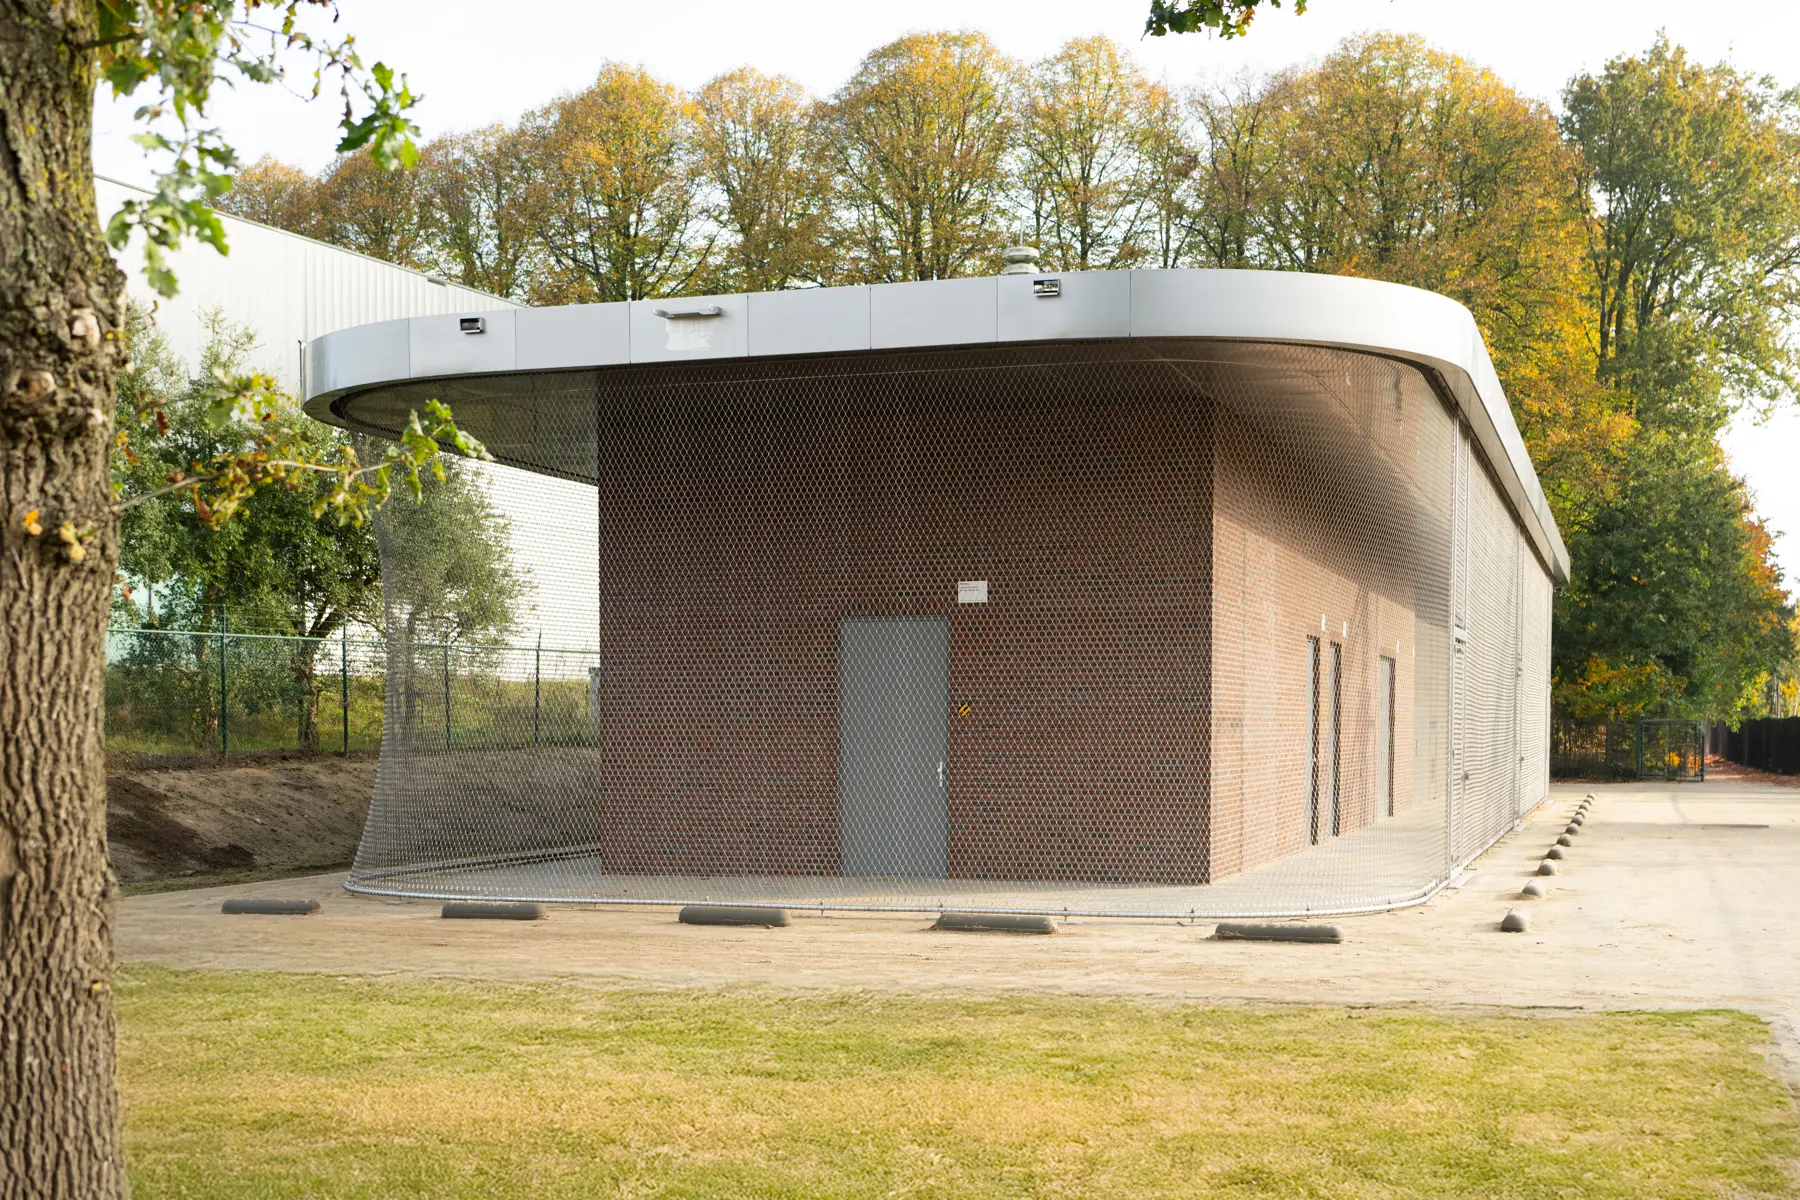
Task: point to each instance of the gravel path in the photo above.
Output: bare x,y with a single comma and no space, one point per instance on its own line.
1673,896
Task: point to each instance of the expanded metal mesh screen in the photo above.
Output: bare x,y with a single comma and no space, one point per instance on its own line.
1166,628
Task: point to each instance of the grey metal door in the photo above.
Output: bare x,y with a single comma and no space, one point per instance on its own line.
894,746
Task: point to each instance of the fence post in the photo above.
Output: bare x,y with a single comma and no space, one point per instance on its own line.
344,681
537,692
446,695
224,707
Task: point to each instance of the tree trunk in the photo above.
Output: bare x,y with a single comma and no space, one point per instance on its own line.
306,671
204,711
306,684
61,311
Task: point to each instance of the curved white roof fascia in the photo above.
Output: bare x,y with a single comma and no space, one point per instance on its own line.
1424,328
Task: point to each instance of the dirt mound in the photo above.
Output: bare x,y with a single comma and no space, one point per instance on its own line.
210,819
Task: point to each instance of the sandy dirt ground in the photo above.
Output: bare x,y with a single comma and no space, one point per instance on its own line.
1676,896
299,813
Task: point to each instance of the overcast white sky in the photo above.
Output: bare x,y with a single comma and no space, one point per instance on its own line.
477,63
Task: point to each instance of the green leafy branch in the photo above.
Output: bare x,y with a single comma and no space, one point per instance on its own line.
1227,18
276,452
176,48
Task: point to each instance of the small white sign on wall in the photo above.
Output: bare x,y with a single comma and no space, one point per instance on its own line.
971,591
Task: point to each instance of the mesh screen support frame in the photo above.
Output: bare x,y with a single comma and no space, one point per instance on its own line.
1392,497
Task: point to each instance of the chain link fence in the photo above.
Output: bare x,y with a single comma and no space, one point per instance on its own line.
176,696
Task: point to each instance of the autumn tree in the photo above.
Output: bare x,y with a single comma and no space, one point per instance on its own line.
474,199
918,141
1083,178
1393,160
1398,161
614,190
363,206
1782,690
1673,591
758,158
1170,161
274,193
1239,127
1693,252
1690,174
355,203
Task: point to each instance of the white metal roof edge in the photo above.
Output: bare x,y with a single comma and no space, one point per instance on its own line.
1364,315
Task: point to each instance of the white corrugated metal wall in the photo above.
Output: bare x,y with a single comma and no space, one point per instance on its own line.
286,287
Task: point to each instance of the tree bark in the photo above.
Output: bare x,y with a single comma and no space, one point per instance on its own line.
306,673
61,315
306,684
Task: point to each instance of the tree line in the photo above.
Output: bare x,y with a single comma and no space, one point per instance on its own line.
1630,255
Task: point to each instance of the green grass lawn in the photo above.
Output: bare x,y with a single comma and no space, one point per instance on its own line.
258,1085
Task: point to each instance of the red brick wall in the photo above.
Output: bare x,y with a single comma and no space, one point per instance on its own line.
1135,710
741,520
1326,525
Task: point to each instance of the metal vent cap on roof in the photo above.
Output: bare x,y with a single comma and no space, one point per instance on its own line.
1020,260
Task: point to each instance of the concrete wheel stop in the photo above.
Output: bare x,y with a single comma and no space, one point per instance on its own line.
1536,889
1518,920
1554,852
265,907
968,922
488,910
725,914
1277,931
1547,867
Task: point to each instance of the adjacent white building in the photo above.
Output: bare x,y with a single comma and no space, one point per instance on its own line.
290,290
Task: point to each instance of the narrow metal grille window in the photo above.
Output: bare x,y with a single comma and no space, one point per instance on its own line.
1313,763
1337,738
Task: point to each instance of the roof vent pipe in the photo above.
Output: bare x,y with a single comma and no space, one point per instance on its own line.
1020,260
